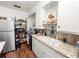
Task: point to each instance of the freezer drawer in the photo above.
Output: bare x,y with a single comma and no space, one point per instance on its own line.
9,38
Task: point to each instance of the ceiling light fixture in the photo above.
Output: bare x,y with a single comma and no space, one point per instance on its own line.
17,6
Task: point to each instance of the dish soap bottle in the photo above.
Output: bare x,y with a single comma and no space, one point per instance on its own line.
30,30
45,33
77,46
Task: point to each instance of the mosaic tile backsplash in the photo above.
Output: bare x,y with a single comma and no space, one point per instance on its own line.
71,38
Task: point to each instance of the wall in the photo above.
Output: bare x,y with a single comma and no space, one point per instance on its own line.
68,15
6,12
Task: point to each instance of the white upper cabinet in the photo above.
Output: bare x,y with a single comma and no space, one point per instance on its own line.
68,16
39,18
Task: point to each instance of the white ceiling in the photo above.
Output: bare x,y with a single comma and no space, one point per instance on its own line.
51,4
25,5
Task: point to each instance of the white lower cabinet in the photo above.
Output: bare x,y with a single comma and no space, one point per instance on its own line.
41,50
34,47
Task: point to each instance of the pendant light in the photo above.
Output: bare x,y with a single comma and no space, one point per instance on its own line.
51,18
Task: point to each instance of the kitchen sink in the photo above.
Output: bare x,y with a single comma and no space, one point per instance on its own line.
55,42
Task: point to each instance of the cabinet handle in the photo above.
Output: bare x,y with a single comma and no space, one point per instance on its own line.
43,52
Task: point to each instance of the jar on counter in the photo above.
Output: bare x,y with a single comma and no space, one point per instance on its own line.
77,46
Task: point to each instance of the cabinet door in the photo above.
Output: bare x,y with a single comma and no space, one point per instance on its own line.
45,53
39,18
68,16
40,49
34,47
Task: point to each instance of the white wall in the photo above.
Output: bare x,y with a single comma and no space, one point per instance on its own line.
6,12
68,16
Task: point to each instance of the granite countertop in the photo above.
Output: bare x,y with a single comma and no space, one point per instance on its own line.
63,48
2,45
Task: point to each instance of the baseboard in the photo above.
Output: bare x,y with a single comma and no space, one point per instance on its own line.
3,55
7,52
34,54
32,50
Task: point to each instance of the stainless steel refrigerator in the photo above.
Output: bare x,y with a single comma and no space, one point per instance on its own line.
7,33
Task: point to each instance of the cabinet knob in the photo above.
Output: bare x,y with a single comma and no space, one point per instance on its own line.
58,26
43,52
